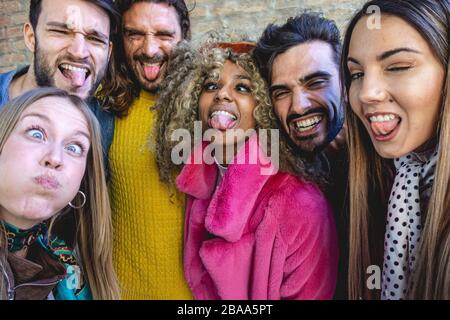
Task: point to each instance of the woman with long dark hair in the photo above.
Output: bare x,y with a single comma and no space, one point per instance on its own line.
395,72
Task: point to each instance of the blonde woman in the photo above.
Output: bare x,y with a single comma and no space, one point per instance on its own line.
55,228
399,136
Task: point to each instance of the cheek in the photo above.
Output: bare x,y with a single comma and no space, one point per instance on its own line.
277,109
167,48
353,100
204,104
130,49
247,113
100,57
74,175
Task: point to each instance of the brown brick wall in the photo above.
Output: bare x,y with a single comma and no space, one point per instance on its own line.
248,17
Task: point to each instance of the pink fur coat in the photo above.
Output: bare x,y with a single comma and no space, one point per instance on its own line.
256,236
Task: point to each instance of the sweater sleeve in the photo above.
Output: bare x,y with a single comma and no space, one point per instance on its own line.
308,230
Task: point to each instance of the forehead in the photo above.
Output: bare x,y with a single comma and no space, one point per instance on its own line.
61,112
77,13
368,42
232,69
149,15
302,60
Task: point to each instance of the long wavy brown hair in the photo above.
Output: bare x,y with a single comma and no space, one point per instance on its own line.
120,87
370,176
89,228
178,102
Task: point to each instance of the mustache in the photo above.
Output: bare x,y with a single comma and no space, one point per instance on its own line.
296,116
146,59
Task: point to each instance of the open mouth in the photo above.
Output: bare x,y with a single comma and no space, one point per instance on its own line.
222,120
151,70
384,126
308,124
77,75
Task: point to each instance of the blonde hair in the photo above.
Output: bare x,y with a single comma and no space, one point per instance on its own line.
370,176
93,228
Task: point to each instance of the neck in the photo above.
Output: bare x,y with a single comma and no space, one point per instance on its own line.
23,83
228,152
15,221
20,239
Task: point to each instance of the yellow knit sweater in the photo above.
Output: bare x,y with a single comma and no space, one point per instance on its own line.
148,223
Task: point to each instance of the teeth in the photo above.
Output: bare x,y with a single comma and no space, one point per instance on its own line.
381,118
72,68
224,113
304,125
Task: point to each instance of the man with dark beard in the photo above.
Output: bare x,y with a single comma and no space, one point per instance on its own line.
71,43
300,62
147,216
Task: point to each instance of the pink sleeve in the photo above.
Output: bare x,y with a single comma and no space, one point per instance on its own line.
309,231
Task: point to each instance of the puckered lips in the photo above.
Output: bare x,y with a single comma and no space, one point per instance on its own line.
47,182
223,117
383,125
303,126
76,74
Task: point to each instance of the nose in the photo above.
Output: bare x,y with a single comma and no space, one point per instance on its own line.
223,94
151,46
78,47
53,157
301,102
372,89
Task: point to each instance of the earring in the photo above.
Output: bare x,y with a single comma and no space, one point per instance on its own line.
84,201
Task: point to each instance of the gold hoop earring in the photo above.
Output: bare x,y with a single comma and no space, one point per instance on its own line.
83,202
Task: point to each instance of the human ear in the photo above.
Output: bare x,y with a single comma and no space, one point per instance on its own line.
29,36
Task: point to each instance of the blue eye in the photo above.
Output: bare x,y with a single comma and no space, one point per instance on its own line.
36,134
75,148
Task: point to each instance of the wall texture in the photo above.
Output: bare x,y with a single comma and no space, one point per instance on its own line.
246,17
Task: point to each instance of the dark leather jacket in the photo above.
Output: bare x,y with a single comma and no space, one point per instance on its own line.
34,277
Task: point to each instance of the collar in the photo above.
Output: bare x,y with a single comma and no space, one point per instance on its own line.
5,82
229,208
20,238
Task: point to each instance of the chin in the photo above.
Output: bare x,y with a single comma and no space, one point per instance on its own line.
387,153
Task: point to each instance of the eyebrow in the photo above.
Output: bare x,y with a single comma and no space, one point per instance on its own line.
386,54
243,77
90,32
47,119
158,33
37,115
308,77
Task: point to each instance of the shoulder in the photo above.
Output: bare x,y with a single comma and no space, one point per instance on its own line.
299,205
5,81
299,195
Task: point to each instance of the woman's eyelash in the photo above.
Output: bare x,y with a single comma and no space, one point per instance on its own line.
36,127
246,87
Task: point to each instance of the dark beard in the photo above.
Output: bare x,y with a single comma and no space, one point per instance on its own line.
133,72
44,75
42,70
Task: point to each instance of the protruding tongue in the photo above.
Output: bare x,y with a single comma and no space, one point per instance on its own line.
151,72
76,77
221,122
385,127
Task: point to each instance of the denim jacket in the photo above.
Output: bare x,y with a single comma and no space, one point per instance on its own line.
106,119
